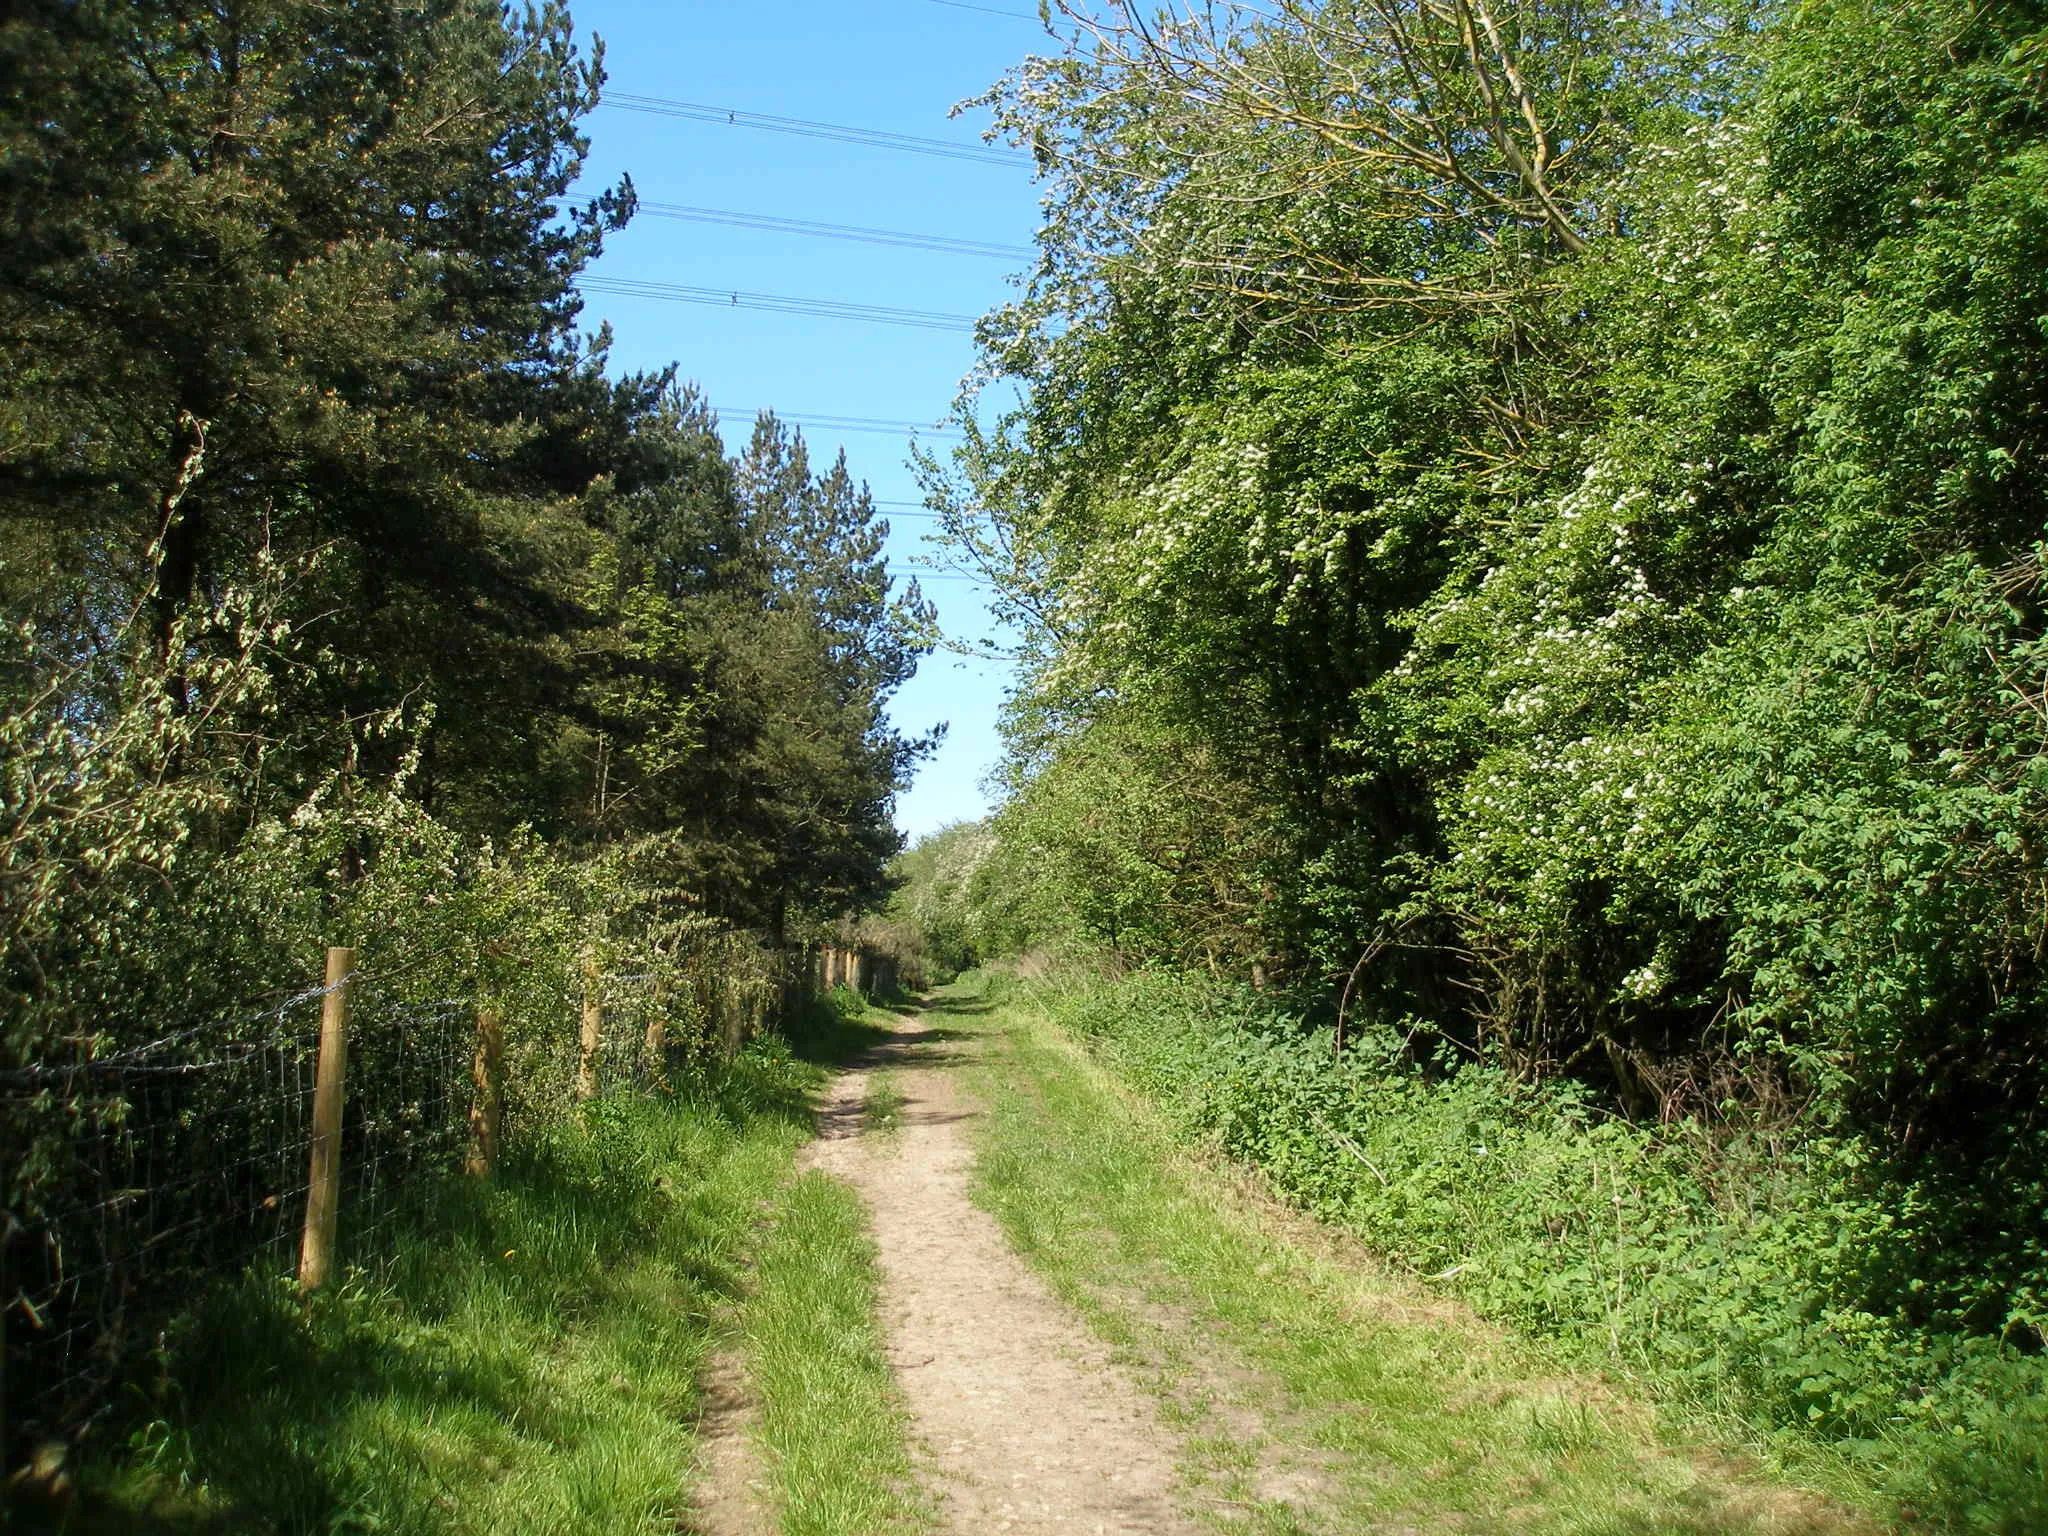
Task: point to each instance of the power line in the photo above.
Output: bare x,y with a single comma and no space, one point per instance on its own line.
895,509
843,133
775,224
842,423
730,298
986,10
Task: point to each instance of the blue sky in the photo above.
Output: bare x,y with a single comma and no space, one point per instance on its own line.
891,65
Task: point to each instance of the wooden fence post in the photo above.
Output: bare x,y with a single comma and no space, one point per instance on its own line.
323,1179
657,1034
489,1104
593,1030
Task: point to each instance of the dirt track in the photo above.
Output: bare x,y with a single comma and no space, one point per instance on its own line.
1027,1423
1023,1421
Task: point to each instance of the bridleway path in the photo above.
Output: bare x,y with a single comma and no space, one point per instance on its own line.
1026,1422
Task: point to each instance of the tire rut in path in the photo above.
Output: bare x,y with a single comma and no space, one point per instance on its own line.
726,1493
1027,1422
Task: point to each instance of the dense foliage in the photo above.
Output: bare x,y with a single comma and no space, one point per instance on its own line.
349,597
1752,1274
313,495
933,928
1526,522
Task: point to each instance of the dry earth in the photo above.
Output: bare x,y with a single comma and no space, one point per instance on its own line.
726,1493
1027,1423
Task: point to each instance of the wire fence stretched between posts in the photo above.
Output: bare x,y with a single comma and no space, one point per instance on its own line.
624,1060
186,1159
191,1163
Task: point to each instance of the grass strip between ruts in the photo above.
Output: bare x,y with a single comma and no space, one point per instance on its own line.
830,1418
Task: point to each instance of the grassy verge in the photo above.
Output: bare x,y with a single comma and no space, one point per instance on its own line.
1336,1397
1784,1285
524,1357
830,1419
524,1362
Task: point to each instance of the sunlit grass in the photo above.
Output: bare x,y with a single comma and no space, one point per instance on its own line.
882,1110
831,1420
522,1360
1413,1415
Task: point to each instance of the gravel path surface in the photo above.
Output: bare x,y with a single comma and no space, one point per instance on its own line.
1028,1424
726,1494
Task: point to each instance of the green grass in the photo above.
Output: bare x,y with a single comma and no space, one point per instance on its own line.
1276,1358
523,1358
830,1418
882,1110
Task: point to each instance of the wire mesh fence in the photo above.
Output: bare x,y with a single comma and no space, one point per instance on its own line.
406,1113
655,1028
630,1054
189,1153
185,1160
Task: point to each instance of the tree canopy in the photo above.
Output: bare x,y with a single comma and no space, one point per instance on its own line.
314,492
1535,511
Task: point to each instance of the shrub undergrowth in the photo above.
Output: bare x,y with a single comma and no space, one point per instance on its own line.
1755,1270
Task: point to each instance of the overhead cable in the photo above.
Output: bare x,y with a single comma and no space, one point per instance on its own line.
778,225
728,298
843,133
841,423
987,10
